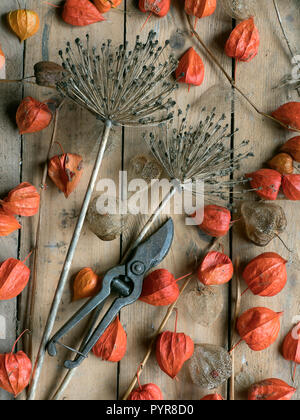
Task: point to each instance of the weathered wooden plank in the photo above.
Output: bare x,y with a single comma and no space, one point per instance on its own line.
10,155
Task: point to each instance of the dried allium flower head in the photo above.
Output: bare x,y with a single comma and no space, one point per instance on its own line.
199,154
120,85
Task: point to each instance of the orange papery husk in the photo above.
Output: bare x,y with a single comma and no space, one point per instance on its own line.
243,43
213,397
215,269
271,390
104,6
66,171
259,327
282,163
2,58
291,346
14,277
15,371
24,23
190,69
266,274
32,116
172,351
160,288
86,284
291,186
292,147
112,345
289,115
266,182
24,200
146,392
200,8
159,7
8,223
216,221
81,13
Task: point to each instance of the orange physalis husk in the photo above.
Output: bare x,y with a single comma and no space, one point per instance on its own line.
158,7
266,274
289,114
243,42
200,8
86,284
292,147
216,221
291,186
15,371
32,116
190,69
173,350
271,390
66,171
14,276
8,224
145,392
81,13
2,58
215,269
291,347
160,288
24,200
112,345
213,397
24,23
259,327
104,6
282,163
266,182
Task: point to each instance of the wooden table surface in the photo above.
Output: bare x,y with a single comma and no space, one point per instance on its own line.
22,159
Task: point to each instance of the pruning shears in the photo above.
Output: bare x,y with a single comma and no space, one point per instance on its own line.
126,281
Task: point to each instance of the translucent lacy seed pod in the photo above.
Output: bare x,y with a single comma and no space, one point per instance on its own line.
210,366
203,305
108,225
239,9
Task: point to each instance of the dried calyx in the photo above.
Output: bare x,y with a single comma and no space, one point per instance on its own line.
48,74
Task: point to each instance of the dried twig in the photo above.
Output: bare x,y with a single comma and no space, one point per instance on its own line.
160,329
231,80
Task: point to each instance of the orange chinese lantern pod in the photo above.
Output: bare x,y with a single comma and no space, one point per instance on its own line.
112,345
291,347
266,183
200,8
243,42
86,284
14,276
266,274
216,221
160,288
215,269
213,397
8,224
173,350
81,13
271,390
190,69
24,23
159,7
145,392
24,200
292,147
15,371
282,163
104,6
289,114
291,186
32,116
66,171
259,328
2,58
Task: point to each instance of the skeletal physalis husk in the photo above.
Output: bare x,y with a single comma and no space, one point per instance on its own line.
107,224
239,9
263,222
210,366
144,168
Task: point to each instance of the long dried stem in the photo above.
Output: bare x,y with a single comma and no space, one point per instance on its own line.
235,317
231,80
160,329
